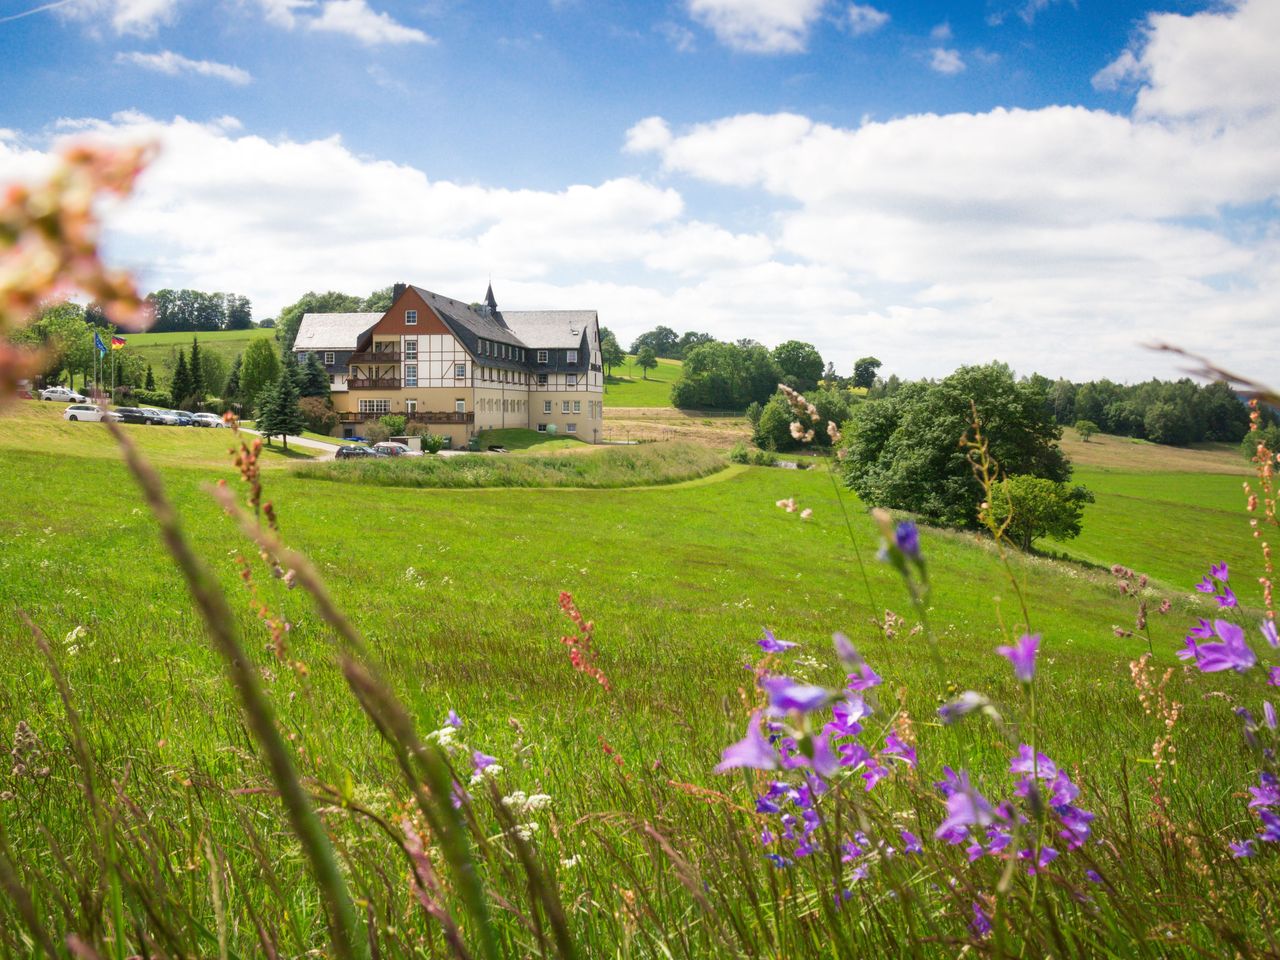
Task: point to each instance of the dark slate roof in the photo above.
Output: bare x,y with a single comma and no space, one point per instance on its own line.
333,331
550,329
468,324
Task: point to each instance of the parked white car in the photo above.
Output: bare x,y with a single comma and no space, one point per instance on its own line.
393,448
206,420
63,394
166,417
88,412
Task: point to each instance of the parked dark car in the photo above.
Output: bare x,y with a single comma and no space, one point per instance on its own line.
132,415
184,418
356,453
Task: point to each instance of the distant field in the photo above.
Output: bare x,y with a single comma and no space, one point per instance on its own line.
33,425
157,348
628,387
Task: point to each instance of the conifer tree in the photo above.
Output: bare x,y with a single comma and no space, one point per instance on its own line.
180,388
280,414
150,382
232,389
315,381
195,394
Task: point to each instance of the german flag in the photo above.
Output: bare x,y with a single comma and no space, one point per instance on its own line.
117,343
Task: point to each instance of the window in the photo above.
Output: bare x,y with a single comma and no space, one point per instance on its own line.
459,371
570,379
411,407
564,407
460,406
571,356
542,356
411,348
328,358
546,406
542,428
375,406
542,379
577,406
571,427
410,374
410,318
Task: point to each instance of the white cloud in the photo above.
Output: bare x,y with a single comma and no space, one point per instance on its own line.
1119,71
283,13
138,17
680,38
171,63
648,135
864,19
759,26
941,33
355,18
946,61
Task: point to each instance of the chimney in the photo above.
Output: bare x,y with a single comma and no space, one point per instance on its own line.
397,291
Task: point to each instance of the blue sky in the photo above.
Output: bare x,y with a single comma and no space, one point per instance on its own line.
950,182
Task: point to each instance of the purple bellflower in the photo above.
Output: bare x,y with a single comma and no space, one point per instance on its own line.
907,538
453,719
1023,656
753,750
1231,654
771,644
1269,633
785,695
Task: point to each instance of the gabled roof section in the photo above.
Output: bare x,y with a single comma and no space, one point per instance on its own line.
550,329
333,331
468,324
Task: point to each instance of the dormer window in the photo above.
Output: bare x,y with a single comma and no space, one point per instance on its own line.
411,318
571,356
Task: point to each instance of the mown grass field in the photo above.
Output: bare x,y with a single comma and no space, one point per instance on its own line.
455,591
629,386
157,348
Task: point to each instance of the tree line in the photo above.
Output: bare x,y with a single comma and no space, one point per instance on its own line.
197,311
1175,413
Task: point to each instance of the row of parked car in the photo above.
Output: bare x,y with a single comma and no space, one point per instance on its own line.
387,448
91,413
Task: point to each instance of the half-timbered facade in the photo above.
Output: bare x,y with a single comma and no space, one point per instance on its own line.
462,368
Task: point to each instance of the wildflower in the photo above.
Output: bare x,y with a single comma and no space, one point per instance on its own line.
980,924
785,694
1273,678
894,747
1245,848
1231,654
846,715
1047,856
864,679
966,807
964,704
1206,585
1270,831
1269,633
453,719
1226,599
771,644
753,750
1093,876
1023,656
910,842
570,862
906,537
1219,572
482,761
788,505
1269,714
806,514
1266,795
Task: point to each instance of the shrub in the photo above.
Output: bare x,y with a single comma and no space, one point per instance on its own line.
764,458
318,415
433,442
1035,508
153,398
773,429
1086,429
395,424
376,431
739,453
754,409
1265,435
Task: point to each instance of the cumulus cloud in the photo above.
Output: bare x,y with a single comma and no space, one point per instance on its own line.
171,63
354,18
864,19
283,13
946,61
759,26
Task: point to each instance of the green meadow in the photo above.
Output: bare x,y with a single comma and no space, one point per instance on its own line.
455,592
158,348
630,386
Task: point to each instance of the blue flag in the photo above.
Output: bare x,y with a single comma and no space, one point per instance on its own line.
98,344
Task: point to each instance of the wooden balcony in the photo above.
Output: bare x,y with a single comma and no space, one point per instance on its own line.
363,383
376,356
421,416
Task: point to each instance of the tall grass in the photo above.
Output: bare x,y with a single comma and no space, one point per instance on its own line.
640,466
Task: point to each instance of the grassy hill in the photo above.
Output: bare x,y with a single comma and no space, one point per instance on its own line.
456,593
628,387
161,349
